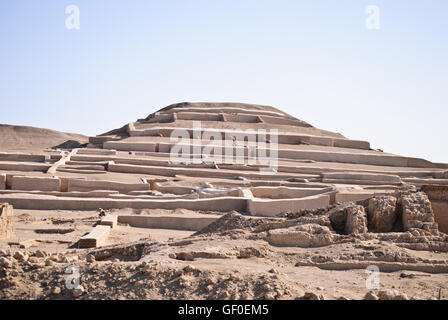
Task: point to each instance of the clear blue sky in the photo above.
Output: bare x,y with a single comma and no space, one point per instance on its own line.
314,59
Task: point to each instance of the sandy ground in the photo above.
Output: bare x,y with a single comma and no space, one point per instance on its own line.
231,262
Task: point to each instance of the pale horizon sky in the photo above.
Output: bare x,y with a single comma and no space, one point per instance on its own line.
315,60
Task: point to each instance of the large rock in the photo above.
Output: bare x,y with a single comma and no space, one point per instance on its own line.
6,229
348,218
356,222
304,235
417,212
381,213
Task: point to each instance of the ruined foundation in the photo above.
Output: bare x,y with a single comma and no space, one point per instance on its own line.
329,203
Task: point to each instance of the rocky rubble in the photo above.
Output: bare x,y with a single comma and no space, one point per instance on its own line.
304,235
133,280
342,238
382,213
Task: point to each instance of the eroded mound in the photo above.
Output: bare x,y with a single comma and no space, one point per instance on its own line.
31,139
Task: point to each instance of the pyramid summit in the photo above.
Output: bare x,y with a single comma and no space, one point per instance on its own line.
153,132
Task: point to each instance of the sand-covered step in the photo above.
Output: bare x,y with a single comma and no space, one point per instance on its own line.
36,183
290,165
97,152
199,172
74,194
419,181
240,135
360,178
172,221
315,168
21,157
84,167
221,108
358,195
81,171
378,159
163,142
92,185
24,166
287,192
83,163
273,207
45,202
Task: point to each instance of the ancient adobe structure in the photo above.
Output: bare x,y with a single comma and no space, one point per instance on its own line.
131,167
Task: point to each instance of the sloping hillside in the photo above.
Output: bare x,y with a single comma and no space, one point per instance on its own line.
30,139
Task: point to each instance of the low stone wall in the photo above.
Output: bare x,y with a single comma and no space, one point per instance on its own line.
35,183
245,118
160,117
230,110
37,202
97,152
283,121
324,156
383,178
285,192
354,144
133,146
91,158
177,190
421,182
359,195
283,138
91,194
438,196
269,208
355,158
21,157
200,172
92,185
23,166
168,222
196,116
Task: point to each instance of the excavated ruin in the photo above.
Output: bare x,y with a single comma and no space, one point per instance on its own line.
211,200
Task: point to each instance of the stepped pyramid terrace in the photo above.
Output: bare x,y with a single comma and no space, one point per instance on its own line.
225,186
